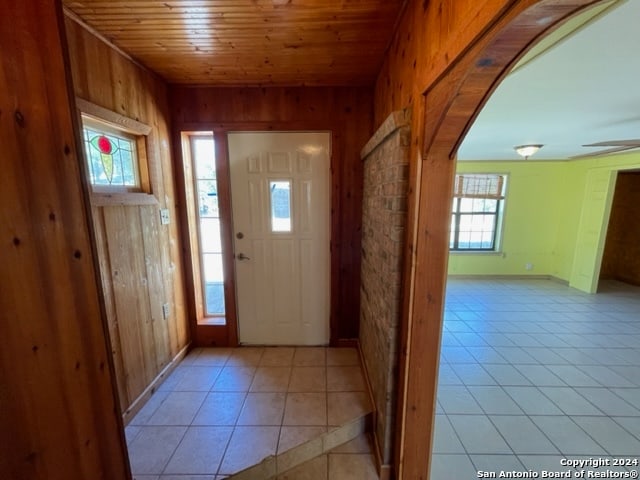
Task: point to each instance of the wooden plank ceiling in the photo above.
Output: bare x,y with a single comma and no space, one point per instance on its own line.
248,42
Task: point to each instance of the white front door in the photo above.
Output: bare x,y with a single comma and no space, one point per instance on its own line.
280,203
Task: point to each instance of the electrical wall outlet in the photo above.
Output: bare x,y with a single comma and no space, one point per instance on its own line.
165,311
164,216
528,266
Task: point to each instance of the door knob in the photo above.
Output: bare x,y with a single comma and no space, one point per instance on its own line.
242,256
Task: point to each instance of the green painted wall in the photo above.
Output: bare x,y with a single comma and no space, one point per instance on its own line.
599,176
542,218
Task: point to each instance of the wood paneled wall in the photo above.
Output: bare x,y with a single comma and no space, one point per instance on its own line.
445,60
58,409
430,38
347,113
140,259
621,259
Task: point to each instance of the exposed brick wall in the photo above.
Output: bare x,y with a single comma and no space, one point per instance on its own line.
621,259
386,171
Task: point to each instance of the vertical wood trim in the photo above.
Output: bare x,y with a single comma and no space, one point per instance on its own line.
336,242
223,174
408,285
182,155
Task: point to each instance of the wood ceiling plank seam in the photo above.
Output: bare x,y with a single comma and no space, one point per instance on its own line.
140,16
331,7
309,37
311,16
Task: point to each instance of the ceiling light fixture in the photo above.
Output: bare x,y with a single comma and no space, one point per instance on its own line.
527,150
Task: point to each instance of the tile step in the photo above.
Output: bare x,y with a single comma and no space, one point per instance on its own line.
274,465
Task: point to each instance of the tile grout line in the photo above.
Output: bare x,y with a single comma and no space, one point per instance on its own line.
284,408
235,425
194,416
552,348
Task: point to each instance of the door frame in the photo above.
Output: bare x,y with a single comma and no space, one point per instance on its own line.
444,111
203,335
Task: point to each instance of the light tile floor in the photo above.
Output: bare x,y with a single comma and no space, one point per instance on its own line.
223,410
352,461
533,371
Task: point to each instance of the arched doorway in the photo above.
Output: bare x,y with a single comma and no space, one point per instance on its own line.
448,108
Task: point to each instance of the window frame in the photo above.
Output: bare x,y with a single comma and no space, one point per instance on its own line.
109,121
204,316
498,213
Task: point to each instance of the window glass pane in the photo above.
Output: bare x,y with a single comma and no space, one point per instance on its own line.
208,198
204,156
210,235
464,239
128,172
466,204
207,187
465,222
452,235
214,283
280,205
208,205
487,239
469,205
489,205
476,231
111,158
204,161
213,267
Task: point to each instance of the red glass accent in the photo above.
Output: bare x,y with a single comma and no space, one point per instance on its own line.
104,145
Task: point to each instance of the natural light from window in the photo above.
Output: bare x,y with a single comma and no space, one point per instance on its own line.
111,157
477,212
203,151
280,196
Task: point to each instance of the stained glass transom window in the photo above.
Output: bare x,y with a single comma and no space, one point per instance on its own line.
111,157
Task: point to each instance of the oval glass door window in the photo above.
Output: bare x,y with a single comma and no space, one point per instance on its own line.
280,194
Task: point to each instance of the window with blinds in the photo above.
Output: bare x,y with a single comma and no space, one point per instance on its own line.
478,202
